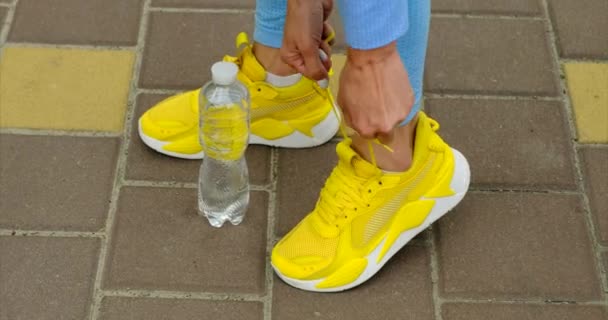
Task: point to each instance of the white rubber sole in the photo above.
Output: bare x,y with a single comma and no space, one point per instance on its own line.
459,183
322,132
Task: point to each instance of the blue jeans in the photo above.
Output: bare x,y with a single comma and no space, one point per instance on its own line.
270,18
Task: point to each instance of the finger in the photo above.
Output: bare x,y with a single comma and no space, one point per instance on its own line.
325,55
328,6
329,34
386,138
314,68
294,60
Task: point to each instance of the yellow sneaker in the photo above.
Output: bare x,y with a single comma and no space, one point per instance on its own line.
298,116
364,215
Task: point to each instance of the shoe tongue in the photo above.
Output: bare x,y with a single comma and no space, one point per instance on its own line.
349,157
251,67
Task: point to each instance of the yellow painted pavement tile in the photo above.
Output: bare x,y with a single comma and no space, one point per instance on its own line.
337,62
588,87
66,89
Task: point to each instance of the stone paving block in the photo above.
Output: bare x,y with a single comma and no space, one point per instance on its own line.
216,4
517,246
46,278
509,143
484,311
161,243
335,21
338,61
302,174
160,309
486,56
99,22
3,12
43,178
580,27
144,163
71,89
401,290
181,47
512,7
588,89
594,162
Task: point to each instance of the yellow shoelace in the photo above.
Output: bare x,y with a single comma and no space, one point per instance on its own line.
338,204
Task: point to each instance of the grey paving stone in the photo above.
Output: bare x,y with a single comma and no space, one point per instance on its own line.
103,22
517,246
160,309
144,163
509,144
302,174
487,56
581,27
46,278
401,290
43,178
181,47
594,162
160,243
483,311
3,12
219,4
512,7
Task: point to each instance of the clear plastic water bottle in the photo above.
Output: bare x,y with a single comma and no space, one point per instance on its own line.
223,186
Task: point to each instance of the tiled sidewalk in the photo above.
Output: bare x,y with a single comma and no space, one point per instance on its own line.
93,225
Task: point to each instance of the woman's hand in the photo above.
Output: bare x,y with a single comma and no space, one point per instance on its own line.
305,29
375,92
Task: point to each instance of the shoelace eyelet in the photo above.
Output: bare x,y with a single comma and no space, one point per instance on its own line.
380,182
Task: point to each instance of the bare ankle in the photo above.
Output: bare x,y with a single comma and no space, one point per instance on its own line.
402,144
270,59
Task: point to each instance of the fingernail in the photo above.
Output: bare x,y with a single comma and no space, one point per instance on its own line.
323,55
324,83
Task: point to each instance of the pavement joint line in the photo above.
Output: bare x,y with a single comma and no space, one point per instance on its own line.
433,95
270,231
580,178
95,305
158,91
51,233
164,294
158,184
53,132
202,10
591,145
542,302
89,47
179,184
583,60
434,264
454,15
8,22
489,190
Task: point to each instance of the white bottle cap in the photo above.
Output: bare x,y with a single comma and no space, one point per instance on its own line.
224,73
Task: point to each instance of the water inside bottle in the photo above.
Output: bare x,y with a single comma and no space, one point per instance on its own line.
224,134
